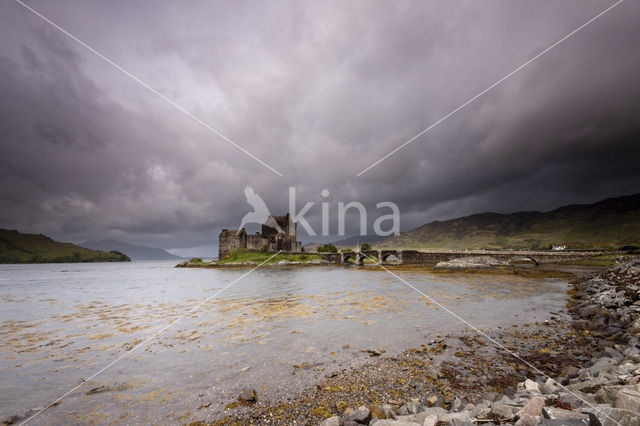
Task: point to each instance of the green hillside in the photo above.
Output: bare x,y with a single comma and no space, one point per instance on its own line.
16,247
610,223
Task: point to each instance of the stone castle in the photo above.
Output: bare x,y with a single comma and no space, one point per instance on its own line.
278,233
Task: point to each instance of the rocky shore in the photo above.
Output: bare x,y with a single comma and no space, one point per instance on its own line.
592,359
604,391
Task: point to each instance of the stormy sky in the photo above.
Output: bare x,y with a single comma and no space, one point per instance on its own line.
318,91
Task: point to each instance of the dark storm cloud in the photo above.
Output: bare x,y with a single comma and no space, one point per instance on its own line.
319,91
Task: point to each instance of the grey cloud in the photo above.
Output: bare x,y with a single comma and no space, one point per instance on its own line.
319,91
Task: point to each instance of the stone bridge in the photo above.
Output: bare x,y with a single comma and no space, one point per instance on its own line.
419,257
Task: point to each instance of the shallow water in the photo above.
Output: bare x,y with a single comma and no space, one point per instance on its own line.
277,330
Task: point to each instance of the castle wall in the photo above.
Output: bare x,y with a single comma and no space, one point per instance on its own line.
257,242
230,241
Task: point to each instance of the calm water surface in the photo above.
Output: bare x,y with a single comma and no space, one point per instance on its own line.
277,330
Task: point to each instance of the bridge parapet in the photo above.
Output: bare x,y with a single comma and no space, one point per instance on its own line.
432,257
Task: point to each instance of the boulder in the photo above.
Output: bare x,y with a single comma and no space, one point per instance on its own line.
603,365
457,422
533,407
331,421
395,423
489,396
503,410
564,422
608,416
549,387
628,399
530,386
608,394
577,399
360,415
481,410
456,418
430,421
553,413
419,418
572,372
527,420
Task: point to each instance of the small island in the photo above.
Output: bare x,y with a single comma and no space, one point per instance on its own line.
16,247
276,245
244,257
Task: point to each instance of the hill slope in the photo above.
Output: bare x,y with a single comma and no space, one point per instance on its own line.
16,247
610,223
135,252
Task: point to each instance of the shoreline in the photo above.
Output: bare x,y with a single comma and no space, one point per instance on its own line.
591,354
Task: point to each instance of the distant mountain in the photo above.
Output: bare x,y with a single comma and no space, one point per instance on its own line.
358,240
16,247
133,251
610,223
348,242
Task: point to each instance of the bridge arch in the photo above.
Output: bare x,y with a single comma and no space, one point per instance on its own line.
391,258
348,255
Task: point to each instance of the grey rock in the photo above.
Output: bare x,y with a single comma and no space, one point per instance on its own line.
608,416
608,394
489,396
577,399
530,385
403,410
507,412
628,399
572,372
360,415
549,387
457,422
564,422
578,386
413,405
387,422
331,421
609,352
420,417
481,410
533,407
456,405
461,418
434,411
509,391
603,365
553,413
527,420
430,421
